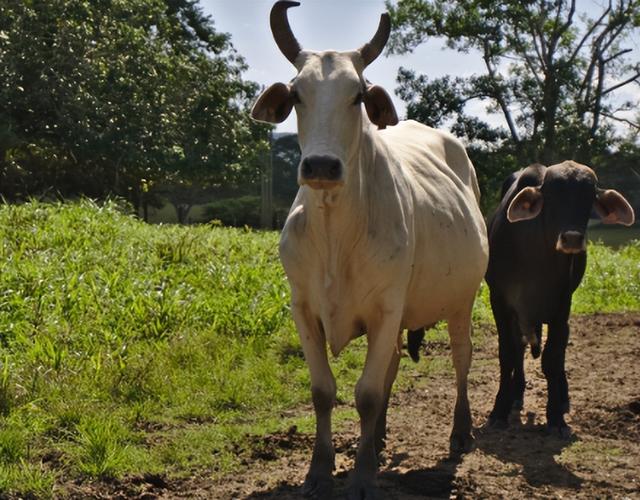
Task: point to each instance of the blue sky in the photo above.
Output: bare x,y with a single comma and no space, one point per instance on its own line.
346,25
322,25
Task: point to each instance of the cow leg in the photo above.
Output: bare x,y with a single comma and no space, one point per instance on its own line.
564,393
518,381
553,358
378,374
459,327
381,424
318,482
506,350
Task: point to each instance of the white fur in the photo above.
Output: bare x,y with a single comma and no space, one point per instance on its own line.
400,243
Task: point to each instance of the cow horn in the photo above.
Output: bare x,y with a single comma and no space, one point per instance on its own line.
281,30
369,51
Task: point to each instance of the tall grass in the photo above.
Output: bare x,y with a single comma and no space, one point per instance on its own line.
129,348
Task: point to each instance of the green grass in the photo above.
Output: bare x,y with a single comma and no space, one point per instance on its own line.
128,348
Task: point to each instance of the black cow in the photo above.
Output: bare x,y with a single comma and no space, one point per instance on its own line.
537,257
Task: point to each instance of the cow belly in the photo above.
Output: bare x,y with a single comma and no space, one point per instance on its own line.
442,291
450,263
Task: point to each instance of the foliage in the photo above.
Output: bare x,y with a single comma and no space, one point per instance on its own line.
237,212
552,73
119,97
286,156
127,348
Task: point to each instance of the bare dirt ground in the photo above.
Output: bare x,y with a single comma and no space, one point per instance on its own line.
601,460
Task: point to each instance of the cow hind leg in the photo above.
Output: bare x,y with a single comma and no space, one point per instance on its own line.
461,349
318,482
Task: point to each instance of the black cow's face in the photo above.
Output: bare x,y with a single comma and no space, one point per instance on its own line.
569,195
564,201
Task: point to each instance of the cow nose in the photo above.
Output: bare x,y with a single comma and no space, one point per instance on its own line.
321,169
571,242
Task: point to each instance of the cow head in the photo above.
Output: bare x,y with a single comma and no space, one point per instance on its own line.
327,93
564,200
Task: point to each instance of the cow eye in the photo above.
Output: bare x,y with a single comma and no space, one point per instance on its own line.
358,99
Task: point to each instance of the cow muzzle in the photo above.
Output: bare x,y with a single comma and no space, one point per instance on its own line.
321,172
571,242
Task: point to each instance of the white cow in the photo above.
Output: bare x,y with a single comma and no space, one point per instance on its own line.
384,234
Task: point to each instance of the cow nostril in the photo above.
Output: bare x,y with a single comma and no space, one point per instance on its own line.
307,169
572,240
334,170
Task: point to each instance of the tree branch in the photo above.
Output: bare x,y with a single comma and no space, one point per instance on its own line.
589,33
500,98
619,119
618,54
622,84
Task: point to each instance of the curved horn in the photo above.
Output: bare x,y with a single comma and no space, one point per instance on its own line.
281,30
371,50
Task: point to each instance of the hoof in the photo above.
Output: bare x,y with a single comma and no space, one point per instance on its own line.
320,487
362,490
383,457
562,431
461,443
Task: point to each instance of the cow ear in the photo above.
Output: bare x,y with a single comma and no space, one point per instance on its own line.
613,208
526,205
379,107
274,104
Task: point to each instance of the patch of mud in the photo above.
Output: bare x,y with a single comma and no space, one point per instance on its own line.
600,460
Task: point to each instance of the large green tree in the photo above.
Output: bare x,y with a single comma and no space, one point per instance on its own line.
119,96
554,74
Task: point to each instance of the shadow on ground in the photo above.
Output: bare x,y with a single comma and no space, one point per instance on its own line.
533,449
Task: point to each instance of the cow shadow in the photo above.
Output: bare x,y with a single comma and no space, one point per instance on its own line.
533,448
431,482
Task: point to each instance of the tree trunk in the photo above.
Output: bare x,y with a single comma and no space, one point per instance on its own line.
550,103
182,212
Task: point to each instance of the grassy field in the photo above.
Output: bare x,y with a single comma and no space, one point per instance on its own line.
131,348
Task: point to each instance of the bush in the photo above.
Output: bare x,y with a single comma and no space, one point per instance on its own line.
237,212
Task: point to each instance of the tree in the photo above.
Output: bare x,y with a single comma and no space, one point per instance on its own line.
119,97
552,73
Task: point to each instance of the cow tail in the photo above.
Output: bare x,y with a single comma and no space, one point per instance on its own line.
414,342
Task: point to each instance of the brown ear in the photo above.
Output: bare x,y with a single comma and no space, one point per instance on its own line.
379,107
526,205
273,105
613,208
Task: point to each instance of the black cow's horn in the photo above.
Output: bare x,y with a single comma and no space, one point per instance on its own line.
371,50
281,30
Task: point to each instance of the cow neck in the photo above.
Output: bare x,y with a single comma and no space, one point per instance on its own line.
338,219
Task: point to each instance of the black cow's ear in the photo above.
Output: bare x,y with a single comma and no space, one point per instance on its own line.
274,104
526,205
613,208
379,107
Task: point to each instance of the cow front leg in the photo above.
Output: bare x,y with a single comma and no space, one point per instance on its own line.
381,424
553,359
378,374
518,382
505,323
318,482
461,349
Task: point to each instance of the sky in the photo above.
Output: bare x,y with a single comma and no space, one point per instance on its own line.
324,25
346,25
